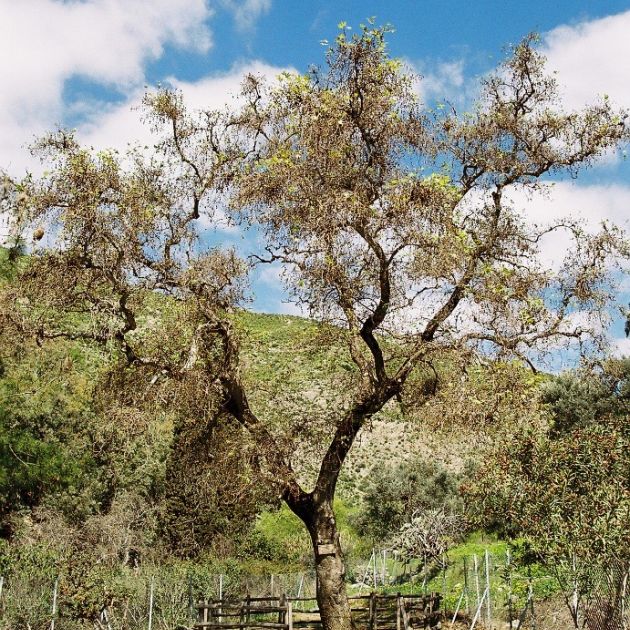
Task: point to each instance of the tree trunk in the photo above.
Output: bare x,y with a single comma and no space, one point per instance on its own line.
332,596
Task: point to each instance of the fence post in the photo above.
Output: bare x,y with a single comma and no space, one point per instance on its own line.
372,612
508,570
466,586
374,566
476,569
425,569
151,602
204,612
531,589
398,611
459,603
443,582
478,613
220,611
190,598
623,593
521,619
282,613
290,615
488,603
383,567
54,605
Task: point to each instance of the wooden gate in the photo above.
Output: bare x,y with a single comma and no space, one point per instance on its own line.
369,612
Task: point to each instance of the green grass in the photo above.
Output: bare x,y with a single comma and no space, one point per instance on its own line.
460,573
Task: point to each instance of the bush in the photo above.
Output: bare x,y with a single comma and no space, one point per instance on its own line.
394,494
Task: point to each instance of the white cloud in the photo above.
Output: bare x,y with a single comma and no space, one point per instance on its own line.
247,12
122,124
592,59
445,80
621,347
591,204
118,125
43,43
271,275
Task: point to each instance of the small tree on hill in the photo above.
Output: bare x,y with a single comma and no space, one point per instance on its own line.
392,226
395,495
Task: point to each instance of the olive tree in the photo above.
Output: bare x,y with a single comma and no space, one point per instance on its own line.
391,224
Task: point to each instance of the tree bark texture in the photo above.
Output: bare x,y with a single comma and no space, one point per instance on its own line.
332,596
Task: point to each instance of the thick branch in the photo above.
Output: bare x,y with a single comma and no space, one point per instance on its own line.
237,404
377,317
345,435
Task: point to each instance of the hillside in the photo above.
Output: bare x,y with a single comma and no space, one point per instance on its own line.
287,354
296,377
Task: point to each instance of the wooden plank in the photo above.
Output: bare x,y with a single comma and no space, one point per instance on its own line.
405,616
326,550
238,626
372,618
237,608
235,603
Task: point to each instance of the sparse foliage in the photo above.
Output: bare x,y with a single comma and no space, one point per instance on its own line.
429,534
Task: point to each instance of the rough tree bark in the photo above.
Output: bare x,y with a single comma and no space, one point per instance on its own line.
330,569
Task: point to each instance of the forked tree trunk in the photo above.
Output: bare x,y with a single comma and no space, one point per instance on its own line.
332,596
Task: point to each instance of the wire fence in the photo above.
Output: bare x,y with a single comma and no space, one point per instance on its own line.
482,591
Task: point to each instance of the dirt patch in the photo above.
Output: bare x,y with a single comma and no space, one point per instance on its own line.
552,614
462,622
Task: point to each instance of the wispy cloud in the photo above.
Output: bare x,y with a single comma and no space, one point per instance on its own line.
442,80
247,12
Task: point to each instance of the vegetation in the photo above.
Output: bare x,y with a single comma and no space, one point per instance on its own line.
567,488
397,493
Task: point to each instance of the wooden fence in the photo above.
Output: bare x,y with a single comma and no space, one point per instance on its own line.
369,612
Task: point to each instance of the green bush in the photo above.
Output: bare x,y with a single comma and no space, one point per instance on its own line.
393,494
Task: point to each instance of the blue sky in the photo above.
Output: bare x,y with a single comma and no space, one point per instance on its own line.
85,64
288,32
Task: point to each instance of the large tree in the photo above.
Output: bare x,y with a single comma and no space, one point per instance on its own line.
392,226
